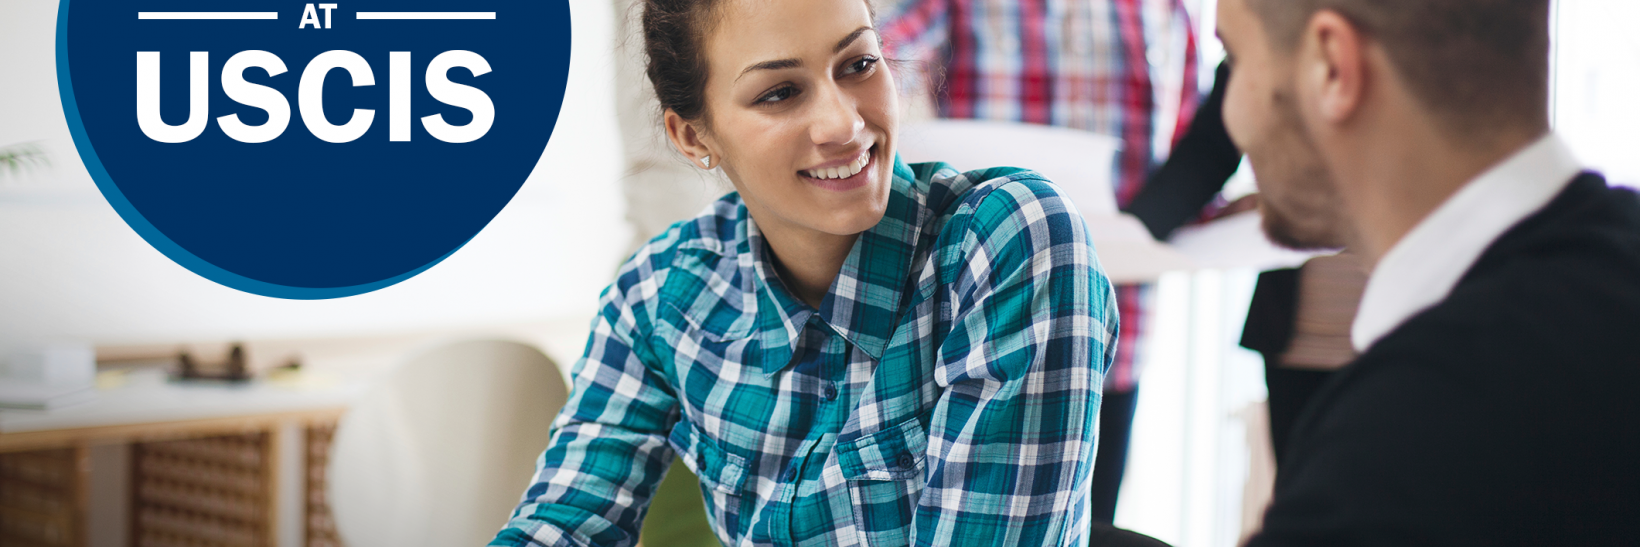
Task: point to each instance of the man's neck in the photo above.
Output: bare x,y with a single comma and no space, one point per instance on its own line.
1406,171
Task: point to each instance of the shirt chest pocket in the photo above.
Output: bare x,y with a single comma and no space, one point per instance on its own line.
722,476
886,472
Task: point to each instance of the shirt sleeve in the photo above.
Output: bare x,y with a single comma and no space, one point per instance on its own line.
608,451
1012,438
1195,172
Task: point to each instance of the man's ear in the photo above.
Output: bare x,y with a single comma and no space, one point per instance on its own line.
1334,66
688,139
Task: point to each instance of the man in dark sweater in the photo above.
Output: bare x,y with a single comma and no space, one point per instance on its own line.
1497,397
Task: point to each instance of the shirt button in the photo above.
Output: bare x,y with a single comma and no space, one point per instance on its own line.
791,473
905,461
831,391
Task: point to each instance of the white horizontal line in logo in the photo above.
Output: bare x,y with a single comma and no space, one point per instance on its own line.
208,15
426,15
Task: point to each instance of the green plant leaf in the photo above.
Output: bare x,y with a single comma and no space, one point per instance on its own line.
17,158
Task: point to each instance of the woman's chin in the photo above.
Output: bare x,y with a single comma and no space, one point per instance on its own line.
852,220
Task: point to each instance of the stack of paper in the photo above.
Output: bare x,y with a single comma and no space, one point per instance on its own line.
44,378
1236,241
42,397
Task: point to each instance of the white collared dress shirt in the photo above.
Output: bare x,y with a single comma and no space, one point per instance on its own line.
1421,269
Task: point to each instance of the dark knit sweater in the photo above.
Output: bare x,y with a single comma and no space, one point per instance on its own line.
1507,414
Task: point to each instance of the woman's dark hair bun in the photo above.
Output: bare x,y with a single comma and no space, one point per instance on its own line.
673,34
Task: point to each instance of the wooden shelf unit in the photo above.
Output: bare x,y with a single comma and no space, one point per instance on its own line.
206,492
42,498
200,483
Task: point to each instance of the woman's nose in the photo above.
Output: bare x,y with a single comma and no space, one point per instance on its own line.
836,119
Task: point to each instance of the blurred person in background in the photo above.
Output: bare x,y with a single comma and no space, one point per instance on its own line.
1124,68
1493,400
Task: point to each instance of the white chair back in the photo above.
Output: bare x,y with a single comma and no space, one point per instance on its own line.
440,451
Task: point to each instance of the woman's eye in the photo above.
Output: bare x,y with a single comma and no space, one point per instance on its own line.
781,94
860,65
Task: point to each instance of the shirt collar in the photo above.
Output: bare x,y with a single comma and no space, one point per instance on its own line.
1421,269
864,301
780,316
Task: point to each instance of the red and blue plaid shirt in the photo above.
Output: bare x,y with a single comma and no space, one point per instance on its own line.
1084,64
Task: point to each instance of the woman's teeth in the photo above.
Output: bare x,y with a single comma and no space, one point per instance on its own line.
843,172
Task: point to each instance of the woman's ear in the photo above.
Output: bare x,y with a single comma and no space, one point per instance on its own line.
689,140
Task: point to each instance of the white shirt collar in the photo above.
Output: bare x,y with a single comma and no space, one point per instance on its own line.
1421,269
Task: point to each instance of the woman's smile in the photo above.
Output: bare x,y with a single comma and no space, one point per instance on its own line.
844,174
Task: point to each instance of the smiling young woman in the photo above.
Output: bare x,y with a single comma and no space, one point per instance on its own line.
848,349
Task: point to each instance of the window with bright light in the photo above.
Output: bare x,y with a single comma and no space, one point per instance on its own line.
1596,71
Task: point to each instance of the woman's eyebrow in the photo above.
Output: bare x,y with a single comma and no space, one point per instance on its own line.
777,64
847,40
780,64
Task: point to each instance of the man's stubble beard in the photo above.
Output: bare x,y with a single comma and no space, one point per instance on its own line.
1305,211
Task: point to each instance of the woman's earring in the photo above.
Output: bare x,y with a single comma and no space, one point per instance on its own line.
706,162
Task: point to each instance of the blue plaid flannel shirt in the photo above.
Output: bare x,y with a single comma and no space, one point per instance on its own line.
946,391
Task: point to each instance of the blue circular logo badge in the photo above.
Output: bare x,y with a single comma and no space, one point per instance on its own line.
310,150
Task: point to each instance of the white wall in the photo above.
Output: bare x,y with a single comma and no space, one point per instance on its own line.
1188,457
71,270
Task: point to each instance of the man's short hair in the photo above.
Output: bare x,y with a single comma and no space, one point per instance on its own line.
1477,64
